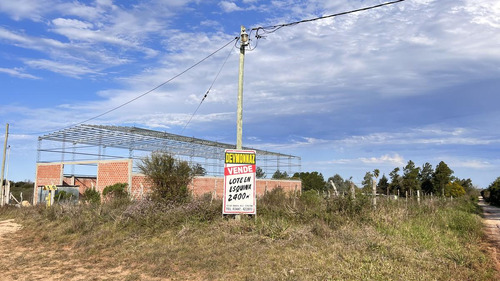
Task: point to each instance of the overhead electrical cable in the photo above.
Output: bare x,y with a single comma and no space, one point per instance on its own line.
208,91
274,28
146,93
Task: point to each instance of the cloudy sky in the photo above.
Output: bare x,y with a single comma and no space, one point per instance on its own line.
418,80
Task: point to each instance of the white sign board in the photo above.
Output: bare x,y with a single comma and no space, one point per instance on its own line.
239,182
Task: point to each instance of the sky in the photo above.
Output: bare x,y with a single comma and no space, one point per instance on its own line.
418,80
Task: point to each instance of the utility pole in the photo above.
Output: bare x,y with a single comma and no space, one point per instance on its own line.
2,196
239,113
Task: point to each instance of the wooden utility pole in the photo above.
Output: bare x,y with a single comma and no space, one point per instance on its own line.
2,189
239,113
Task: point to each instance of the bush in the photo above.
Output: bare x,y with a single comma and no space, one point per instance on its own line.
492,194
63,196
116,190
92,196
168,175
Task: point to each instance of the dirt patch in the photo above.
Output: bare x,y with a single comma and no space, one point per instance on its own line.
491,220
22,259
8,226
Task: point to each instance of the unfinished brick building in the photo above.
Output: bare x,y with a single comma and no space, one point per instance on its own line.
93,156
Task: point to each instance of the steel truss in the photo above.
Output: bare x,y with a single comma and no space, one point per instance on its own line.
87,143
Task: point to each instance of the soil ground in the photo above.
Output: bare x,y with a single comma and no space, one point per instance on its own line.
27,260
35,261
491,215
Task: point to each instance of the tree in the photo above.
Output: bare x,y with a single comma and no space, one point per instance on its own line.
492,193
198,170
425,178
367,182
441,177
280,175
168,175
454,189
469,187
259,173
376,173
410,177
311,180
395,181
383,185
341,184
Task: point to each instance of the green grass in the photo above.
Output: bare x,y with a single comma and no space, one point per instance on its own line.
305,238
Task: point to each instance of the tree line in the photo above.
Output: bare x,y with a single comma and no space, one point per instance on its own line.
492,193
404,181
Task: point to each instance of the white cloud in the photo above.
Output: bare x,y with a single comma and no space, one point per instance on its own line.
71,23
21,9
15,72
229,7
473,164
61,68
14,37
425,135
384,160
394,160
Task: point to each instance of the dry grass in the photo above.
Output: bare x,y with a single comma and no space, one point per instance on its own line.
307,238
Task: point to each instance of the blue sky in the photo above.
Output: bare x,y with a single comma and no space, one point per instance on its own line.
417,81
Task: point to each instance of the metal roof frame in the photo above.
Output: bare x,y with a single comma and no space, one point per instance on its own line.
83,137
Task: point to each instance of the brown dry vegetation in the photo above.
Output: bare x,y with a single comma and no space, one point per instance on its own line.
306,238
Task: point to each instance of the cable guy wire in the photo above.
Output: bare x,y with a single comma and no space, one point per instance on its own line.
208,91
144,94
274,28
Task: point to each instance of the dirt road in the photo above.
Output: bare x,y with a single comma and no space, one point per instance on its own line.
35,261
492,228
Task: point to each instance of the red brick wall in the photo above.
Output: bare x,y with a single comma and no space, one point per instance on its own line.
82,183
49,174
202,185
109,173
140,186
264,185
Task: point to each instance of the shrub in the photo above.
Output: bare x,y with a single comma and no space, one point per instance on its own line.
492,194
116,190
63,196
169,176
92,196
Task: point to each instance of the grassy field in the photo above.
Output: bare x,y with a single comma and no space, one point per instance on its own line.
304,238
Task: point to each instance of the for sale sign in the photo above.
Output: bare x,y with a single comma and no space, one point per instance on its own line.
239,182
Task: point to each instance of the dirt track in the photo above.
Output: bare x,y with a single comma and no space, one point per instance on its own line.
492,229
40,262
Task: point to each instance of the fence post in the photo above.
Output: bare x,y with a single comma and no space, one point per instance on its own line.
374,194
352,191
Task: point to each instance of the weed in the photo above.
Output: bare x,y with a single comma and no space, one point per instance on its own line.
292,238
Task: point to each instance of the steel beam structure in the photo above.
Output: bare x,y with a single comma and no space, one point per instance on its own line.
96,142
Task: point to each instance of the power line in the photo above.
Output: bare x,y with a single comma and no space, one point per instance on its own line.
144,94
274,28
208,91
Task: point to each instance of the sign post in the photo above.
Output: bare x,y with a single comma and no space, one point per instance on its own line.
240,194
